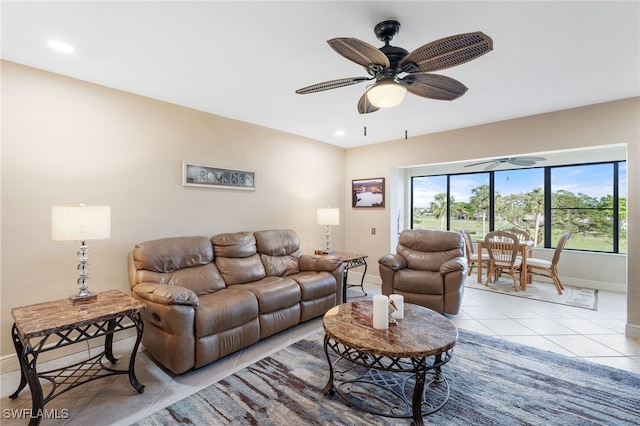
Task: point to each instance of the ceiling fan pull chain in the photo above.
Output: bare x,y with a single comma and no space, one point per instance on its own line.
406,118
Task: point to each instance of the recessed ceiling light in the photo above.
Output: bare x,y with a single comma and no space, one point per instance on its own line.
340,133
61,46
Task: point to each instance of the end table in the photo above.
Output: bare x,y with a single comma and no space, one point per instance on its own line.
350,261
61,323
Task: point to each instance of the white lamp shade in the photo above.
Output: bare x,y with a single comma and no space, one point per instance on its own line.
386,93
329,216
80,223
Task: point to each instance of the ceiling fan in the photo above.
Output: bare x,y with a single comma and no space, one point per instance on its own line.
397,71
516,161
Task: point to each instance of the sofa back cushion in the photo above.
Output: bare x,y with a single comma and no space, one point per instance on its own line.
427,250
236,258
279,251
182,261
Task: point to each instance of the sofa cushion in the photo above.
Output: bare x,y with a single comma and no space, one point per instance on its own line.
171,254
182,261
224,310
236,244
279,251
277,242
425,282
426,250
203,279
237,259
273,293
315,285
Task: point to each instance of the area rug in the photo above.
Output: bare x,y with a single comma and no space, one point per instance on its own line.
585,298
492,381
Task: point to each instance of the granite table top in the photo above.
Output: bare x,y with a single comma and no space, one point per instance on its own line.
422,332
50,317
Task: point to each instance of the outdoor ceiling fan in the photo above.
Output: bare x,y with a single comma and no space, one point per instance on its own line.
397,71
516,161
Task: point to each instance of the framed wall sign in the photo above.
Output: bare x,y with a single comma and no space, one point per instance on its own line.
216,177
367,192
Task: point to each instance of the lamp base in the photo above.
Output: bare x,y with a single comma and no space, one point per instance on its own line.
77,299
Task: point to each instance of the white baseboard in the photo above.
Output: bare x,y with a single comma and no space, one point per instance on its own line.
632,331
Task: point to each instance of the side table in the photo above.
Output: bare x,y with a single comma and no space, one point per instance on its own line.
350,261
61,323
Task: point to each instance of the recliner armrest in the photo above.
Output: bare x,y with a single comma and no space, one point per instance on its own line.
393,261
317,263
166,294
452,265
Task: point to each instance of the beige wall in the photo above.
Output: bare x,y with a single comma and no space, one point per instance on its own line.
67,142
603,124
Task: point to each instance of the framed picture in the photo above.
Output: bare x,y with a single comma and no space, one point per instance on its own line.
217,177
367,192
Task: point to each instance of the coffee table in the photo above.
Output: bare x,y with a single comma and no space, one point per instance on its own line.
392,373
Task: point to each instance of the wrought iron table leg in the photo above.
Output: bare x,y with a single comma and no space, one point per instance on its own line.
420,366
364,273
108,342
19,349
137,320
328,389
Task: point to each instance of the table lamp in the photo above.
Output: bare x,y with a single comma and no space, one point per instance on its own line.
81,223
328,217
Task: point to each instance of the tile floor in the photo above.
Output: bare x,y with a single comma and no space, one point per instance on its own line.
597,336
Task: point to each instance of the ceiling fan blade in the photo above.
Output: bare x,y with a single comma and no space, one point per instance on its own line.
364,106
332,84
481,163
360,52
434,86
521,162
448,52
493,165
531,158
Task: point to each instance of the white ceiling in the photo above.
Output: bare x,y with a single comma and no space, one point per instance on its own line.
244,60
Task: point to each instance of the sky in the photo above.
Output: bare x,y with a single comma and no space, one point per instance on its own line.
594,180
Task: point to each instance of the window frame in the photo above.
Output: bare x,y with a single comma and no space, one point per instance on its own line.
548,243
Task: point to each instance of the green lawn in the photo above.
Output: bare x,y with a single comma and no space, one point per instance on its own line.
577,241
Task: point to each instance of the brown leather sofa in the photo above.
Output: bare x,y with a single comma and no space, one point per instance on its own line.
428,269
207,298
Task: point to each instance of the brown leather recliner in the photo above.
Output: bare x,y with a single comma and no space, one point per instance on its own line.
428,269
207,298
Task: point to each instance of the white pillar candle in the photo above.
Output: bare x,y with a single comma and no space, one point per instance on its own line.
398,300
380,312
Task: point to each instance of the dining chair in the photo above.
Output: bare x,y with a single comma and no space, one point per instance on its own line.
520,233
546,268
503,248
472,257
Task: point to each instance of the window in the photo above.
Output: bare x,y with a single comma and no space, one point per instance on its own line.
428,199
519,201
583,203
588,200
470,203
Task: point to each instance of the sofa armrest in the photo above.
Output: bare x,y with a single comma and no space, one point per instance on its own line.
318,263
393,261
453,265
166,294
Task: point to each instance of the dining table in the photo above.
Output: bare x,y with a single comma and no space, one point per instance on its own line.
525,247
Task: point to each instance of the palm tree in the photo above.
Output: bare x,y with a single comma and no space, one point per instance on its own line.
480,202
534,200
438,207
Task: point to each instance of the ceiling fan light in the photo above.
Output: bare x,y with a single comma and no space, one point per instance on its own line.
386,94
